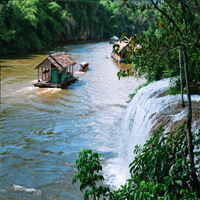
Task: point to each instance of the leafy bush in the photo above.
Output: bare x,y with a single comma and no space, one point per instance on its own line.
88,166
161,170
174,87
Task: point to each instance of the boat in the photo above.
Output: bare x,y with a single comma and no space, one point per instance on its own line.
84,66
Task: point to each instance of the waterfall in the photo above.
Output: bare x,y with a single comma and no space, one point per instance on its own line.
148,109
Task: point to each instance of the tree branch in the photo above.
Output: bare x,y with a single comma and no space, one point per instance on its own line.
157,8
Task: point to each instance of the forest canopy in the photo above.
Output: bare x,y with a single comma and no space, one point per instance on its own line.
34,24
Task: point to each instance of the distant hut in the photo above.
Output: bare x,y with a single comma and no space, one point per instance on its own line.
119,57
124,43
56,71
114,39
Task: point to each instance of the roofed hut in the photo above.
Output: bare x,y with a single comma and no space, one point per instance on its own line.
119,57
114,39
125,47
56,71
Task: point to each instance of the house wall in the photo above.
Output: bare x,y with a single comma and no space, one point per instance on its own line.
54,75
63,75
46,64
57,77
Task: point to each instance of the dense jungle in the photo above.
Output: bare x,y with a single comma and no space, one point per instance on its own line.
34,25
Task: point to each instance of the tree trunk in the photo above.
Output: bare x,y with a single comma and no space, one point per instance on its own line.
189,120
181,81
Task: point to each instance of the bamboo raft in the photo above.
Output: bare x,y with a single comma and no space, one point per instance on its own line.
45,84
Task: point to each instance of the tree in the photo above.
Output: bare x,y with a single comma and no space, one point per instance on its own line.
181,79
89,166
160,170
33,24
29,25
175,31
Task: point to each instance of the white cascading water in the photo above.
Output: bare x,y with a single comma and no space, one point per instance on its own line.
136,127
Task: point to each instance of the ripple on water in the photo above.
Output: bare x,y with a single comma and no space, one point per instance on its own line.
43,129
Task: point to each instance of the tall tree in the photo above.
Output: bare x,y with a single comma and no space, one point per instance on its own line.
179,26
181,79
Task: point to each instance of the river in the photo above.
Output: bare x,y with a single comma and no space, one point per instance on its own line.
43,129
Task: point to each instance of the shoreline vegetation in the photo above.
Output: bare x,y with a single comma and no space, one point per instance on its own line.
27,25
171,50
160,170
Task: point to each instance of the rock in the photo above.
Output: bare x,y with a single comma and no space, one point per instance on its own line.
166,117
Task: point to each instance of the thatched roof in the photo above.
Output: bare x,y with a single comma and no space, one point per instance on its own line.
59,60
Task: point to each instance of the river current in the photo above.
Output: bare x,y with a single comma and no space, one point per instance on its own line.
43,129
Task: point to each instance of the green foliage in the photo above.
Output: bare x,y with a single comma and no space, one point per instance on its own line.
29,25
33,25
161,169
197,151
173,90
88,168
124,73
174,87
171,28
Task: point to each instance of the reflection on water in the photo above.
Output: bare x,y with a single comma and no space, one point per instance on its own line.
43,129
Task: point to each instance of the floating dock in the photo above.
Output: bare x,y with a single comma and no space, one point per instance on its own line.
45,84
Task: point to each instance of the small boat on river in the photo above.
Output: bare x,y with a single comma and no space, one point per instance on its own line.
84,66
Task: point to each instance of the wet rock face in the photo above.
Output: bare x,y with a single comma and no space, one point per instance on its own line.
151,107
148,110
175,115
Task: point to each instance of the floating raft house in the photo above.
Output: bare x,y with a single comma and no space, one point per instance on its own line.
56,71
119,57
114,39
124,43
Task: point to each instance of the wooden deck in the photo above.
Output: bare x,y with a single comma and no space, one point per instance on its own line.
45,84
